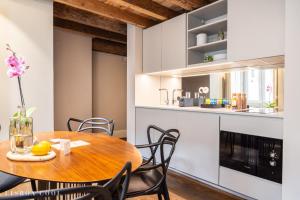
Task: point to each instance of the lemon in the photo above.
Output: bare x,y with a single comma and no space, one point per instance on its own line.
41,148
46,143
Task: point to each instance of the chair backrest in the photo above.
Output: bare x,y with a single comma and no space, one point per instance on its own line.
173,133
118,186
72,120
79,193
115,189
97,123
168,143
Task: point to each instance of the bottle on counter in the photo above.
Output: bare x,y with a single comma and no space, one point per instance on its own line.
219,101
234,101
244,101
239,101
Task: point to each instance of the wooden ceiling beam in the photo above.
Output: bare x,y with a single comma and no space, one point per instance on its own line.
95,32
189,4
109,47
83,17
106,10
149,8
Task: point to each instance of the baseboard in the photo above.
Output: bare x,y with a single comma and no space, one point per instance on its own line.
120,133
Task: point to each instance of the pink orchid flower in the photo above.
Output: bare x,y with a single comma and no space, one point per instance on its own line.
16,66
269,88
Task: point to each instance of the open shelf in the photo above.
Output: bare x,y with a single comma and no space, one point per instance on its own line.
207,13
211,28
209,20
212,46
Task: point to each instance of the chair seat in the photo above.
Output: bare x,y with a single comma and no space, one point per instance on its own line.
8,181
142,181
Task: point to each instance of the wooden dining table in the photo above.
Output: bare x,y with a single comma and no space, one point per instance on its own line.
99,161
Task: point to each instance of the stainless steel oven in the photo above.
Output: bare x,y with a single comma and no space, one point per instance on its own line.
255,155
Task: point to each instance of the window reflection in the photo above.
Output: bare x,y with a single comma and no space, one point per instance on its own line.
263,87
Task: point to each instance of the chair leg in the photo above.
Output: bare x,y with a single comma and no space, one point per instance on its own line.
33,185
165,191
159,196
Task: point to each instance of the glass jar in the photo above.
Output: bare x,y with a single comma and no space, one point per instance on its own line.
21,133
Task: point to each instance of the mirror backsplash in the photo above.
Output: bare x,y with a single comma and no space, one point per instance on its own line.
263,87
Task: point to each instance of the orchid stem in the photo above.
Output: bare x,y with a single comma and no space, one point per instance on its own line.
21,92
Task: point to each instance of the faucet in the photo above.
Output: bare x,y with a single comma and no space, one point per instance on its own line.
173,95
167,100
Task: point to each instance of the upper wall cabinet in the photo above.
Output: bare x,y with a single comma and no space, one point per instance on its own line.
174,43
152,38
164,45
255,29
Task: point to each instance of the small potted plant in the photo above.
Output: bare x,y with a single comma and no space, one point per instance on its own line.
21,124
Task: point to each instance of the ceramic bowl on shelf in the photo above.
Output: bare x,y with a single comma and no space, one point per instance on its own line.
201,39
220,56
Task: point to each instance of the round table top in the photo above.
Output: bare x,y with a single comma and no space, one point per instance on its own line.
101,160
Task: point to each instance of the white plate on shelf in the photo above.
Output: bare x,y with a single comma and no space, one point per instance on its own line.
220,56
216,19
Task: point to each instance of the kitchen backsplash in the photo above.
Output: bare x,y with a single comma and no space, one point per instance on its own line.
262,86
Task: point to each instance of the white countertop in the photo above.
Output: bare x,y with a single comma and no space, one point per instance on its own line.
212,110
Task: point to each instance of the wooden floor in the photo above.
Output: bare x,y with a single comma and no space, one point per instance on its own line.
180,188
183,188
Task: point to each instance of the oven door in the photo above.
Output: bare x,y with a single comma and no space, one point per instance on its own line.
255,155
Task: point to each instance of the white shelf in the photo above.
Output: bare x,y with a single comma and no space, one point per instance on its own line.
212,46
210,28
208,64
207,13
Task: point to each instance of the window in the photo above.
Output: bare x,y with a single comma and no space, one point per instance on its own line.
257,84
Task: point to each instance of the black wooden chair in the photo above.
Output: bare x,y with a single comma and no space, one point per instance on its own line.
115,189
8,181
151,178
97,123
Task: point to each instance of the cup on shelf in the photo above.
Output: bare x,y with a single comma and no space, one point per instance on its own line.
201,38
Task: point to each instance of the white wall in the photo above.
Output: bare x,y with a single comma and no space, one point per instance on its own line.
28,27
72,76
109,89
291,140
134,66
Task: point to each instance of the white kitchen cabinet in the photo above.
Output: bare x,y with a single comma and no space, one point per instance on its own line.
248,185
174,43
197,150
152,51
255,29
165,119
259,126
164,45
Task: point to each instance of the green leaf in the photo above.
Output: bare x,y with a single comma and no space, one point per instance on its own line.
30,111
16,114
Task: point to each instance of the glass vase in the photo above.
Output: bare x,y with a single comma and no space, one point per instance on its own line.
21,133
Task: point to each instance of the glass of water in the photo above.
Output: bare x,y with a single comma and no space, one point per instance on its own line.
21,134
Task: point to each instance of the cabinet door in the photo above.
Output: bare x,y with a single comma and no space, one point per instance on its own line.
197,150
164,119
174,43
255,29
152,38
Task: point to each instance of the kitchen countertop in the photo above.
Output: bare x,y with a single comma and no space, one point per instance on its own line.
212,110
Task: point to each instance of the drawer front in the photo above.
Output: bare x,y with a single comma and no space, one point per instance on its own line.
260,126
248,185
